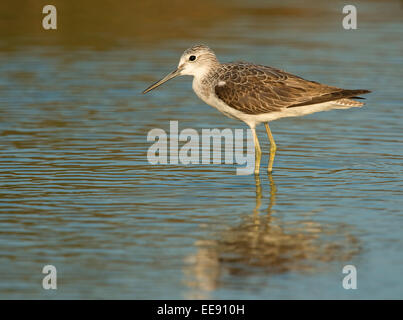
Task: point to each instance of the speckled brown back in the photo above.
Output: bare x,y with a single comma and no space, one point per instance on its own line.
257,89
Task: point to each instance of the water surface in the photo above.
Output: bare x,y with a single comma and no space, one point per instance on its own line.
77,190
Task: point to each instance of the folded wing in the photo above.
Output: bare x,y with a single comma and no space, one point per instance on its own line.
256,89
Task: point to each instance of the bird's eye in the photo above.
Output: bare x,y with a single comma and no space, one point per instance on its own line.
192,58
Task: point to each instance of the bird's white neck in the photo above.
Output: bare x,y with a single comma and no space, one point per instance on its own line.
201,72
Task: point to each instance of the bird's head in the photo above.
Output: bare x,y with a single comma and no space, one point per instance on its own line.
195,61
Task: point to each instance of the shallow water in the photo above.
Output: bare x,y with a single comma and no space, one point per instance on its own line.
77,190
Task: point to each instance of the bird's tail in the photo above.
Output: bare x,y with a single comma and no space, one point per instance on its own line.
348,102
342,96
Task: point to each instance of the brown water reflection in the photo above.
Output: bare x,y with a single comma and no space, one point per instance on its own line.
105,24
264,244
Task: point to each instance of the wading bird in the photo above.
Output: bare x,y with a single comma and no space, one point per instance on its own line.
255,93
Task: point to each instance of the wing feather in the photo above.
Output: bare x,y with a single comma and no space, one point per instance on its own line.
256,89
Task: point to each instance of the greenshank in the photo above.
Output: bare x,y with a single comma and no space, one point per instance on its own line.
257,94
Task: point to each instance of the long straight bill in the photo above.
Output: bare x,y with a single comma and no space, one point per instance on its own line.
171,75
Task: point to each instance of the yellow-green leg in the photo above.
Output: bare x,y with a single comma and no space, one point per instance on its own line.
258,152
273,148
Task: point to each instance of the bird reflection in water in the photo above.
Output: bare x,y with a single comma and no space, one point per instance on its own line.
264,243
